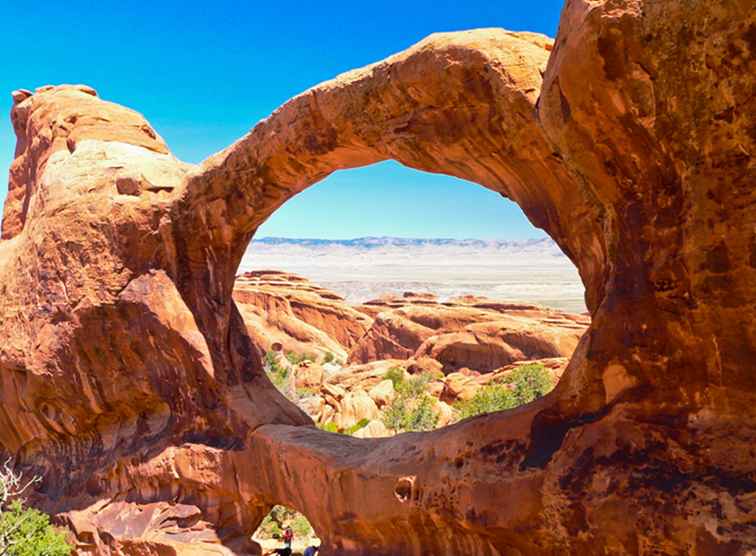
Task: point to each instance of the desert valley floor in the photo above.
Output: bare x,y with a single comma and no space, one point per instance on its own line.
530,271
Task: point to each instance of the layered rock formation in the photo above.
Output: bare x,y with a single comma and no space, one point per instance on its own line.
128,376
467,332
336,357
289,312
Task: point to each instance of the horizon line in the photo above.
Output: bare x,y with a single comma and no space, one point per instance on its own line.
400,237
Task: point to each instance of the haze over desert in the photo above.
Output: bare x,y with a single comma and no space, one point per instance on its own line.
531,271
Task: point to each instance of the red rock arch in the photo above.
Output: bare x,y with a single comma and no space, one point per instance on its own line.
128,378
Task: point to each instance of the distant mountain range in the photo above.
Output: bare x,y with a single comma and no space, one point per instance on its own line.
388,241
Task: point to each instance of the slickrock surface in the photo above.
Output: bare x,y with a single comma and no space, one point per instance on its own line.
127,374
290,313
288,310
467,332
342,381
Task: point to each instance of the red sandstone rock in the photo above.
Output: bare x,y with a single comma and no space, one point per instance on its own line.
468,332
281,308
127,371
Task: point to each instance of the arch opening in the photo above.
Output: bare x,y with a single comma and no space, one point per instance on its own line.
373,333
286,532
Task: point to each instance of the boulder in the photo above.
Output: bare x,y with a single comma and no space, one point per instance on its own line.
382,393
354,407
458,387
374,429
445,412
309,375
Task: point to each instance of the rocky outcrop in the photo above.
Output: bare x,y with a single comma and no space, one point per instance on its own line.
341,397
471,332
288,313
288,310
128,374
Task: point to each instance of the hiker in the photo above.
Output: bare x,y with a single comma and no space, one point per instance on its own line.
288,536
311,550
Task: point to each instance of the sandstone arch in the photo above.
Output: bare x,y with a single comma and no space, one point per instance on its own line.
125,368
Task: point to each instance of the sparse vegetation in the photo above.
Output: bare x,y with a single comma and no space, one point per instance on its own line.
276,372
329,357
297,358
529,382
25,531
330,426
395,375
281,517
523,385
411,409
490,398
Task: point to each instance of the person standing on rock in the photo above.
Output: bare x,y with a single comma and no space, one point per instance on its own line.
288,537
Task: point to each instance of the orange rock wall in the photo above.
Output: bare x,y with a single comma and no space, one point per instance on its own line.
127,374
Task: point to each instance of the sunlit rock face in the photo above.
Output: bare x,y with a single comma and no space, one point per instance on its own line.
292,314
288,313
128,377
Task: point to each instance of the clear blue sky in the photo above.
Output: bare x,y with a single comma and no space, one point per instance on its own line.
204,72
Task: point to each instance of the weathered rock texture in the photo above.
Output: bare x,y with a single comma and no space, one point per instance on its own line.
470,332
291,314
127,374
342,355
288,310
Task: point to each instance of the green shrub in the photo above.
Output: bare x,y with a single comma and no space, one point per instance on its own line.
490,398
407,414
415,386
395,375
529,382
329,357
27,532
421,417
361,424
330,426
411,409
523,385
394,415
276,372
301,526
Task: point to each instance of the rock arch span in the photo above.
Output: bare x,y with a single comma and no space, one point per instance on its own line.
128,379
